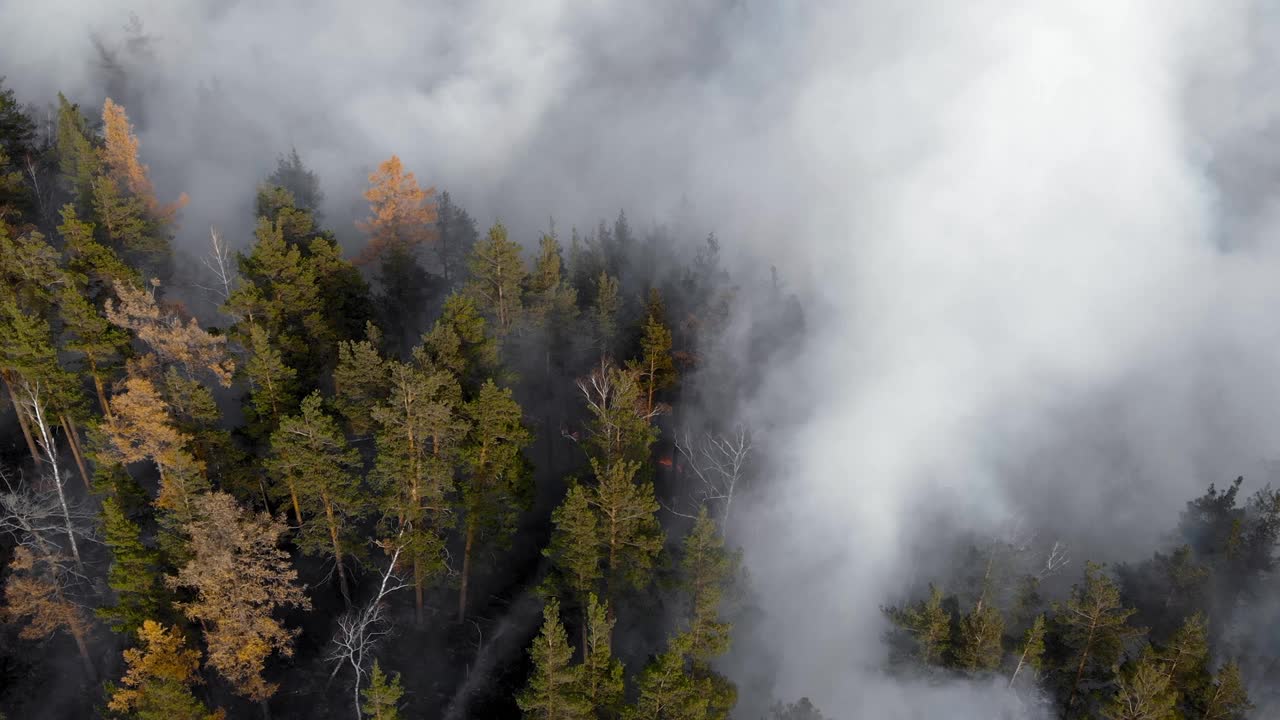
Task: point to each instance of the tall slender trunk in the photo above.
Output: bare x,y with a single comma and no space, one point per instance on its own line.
337,549
297,508
74,442
83,648
100,389
419,584
466,568
22,416
51,451
1084,659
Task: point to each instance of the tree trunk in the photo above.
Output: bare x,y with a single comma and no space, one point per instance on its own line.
466,569
83,647
74,442
418,584
337,549
100,389
1084,659
297,509
22,416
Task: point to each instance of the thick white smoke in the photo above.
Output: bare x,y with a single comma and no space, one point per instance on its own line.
1009,222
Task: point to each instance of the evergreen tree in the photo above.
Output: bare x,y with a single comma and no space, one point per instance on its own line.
554,689
706,568
134,575
457,235
495,484
77,157
405,287
575,545
419,434
272,385
459,343
312,460
978,642
654,369
667,691
602,684
604,314
1032,657
360,380
630,535
382,697
928,624
1185,659
1142,693
497,275
1094,627
303,184
1226,698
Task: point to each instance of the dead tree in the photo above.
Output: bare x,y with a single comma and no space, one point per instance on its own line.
360,629
719,462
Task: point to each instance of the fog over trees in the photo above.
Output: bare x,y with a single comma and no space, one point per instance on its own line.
679,362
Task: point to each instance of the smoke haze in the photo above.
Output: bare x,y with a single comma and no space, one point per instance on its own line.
1033,238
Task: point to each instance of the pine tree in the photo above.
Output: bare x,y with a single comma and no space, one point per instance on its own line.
460,344
1094,626
575,544
667,691
1185,659
272,385
157,684
604,314
134,575
706,568
552,302
419,433
300,182
496,478
602,684
311,459
654,369
240,579
1142,693
401,213
360,380
497,274
382,697
978,642
97,267
929,625
554,689
1226,698
457,233
1032,656
77,157
630,534
620,429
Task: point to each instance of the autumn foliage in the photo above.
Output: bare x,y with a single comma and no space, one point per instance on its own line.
402,215
120,156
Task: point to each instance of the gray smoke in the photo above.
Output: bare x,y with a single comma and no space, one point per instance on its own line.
1033,238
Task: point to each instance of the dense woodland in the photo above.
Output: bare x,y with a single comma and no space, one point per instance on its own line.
431,470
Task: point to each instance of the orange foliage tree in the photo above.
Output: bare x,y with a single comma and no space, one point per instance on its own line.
402,215
120,156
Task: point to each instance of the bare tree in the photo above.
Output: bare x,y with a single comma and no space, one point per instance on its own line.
35,517
44,438
218,262
719,462
360,629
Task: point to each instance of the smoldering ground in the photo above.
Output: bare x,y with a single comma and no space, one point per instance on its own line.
1033,239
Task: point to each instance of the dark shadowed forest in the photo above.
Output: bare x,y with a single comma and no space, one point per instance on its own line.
414,465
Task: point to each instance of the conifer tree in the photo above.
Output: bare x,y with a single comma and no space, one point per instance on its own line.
1226,698
299,181
497,275
620,429
1094,627
1142,693
554,691
667,691
272,384
1185,659
459,343
978,642
88,333
929,625
604,314
240,579
630,535
157,684
1032,657
495,484
575,545
419,434
706,568
360,380
311,458
457,235
602,683
401,213
134,575
654,369
121,163
382,697
77,157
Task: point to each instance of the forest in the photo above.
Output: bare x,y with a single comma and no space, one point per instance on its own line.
422,468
